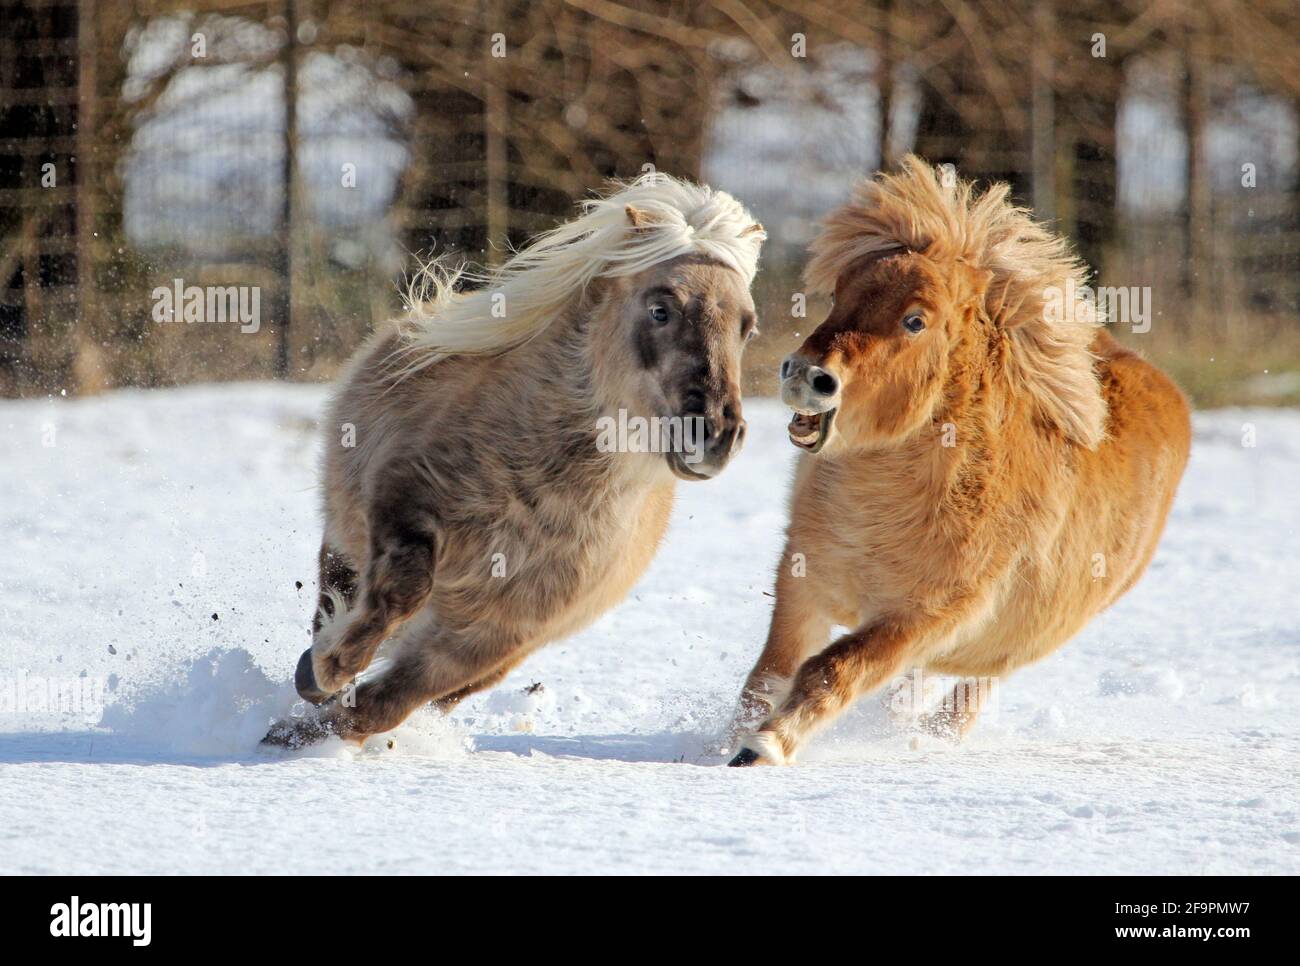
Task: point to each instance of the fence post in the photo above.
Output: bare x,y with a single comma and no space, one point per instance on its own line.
496,156
289,177
86,367
1042,118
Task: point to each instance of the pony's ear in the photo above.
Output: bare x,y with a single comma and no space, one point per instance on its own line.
637,218
755,228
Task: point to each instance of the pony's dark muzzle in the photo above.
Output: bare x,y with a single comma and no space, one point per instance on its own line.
721,446
711,443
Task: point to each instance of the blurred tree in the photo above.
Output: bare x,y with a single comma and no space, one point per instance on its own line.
520,107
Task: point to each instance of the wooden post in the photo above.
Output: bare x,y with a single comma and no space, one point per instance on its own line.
1042,119
496,155
1196,209
289,177
86,365
885,82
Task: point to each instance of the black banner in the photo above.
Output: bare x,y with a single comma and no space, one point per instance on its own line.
136,915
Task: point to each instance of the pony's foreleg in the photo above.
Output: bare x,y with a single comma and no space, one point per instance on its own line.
399,580
338,591
338,587
828,682
798,629
422,670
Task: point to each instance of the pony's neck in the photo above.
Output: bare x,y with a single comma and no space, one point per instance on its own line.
557,380
595,371
564,390
973,370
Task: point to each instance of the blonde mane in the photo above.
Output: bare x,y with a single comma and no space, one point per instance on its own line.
1036,295
517,301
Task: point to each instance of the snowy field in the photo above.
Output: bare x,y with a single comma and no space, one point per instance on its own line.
153,544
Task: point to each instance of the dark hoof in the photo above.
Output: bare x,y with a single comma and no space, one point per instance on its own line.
281,735
304,679
744,758
294,733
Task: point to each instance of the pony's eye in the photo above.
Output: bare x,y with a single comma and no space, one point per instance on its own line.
914,324
659,312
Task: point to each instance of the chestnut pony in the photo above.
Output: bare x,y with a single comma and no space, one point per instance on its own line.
985,468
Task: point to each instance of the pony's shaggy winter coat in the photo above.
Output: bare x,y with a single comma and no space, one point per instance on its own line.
471,512
988,469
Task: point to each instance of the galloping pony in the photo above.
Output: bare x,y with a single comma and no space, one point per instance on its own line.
985,469
474,507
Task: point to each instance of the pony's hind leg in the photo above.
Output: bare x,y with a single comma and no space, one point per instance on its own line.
490,680
955,717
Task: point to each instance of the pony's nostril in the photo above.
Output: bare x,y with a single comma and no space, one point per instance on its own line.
824,383
786,365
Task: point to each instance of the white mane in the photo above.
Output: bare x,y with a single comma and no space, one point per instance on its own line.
515,302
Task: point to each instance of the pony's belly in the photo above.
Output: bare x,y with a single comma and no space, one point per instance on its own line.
599,596
1036,615
999,648
560,586
858,590
609,581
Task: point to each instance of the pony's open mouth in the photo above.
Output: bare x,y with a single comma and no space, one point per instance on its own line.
810,431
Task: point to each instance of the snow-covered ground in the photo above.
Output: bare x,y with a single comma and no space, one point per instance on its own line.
161,546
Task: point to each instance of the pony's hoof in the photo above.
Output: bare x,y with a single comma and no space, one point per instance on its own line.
280,735
744,758
295,733
304,679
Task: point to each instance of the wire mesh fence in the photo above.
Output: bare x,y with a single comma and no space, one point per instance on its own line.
218,190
